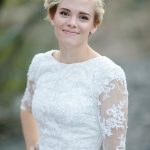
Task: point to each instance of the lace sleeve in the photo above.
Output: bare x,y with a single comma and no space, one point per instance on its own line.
26,102
113,115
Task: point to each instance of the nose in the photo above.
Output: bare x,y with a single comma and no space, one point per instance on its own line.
72,22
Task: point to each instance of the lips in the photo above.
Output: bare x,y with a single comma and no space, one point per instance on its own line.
70,32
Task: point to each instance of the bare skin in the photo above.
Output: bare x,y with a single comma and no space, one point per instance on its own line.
30,129
73,22
90,54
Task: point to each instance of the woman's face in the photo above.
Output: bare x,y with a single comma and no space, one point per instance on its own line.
74,20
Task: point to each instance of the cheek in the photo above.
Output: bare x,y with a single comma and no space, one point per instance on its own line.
57,31
57,25
57,20
88,26
87,29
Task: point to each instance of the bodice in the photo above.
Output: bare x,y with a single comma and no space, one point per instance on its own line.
79,105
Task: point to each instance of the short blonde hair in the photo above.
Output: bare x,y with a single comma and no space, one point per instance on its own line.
51,6
99,11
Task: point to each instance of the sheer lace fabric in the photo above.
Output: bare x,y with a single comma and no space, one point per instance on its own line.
77,106
113,116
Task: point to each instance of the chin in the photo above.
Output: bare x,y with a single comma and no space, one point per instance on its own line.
69,41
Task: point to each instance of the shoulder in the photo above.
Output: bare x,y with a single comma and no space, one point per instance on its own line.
35,64
108,72
110,69
39,57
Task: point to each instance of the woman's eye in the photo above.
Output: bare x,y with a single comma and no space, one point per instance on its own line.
84,18
65,14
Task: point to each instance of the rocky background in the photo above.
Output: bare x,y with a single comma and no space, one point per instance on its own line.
124,36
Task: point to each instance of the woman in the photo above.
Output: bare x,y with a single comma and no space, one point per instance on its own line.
75,98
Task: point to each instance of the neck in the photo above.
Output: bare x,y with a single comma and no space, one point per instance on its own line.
70,54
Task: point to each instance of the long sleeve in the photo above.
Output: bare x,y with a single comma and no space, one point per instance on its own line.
113,115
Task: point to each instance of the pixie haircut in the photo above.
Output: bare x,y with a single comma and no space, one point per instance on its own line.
51,6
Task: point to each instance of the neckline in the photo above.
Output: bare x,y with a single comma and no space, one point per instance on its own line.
82,62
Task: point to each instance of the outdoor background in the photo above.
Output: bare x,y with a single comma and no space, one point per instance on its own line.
124,36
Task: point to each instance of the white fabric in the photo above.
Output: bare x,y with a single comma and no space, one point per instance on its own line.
78,106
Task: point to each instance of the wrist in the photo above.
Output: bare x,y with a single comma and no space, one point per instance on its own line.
35,147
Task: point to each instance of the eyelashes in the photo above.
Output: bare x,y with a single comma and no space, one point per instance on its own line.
66,14
84,18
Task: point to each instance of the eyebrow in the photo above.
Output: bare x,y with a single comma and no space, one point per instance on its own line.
84,13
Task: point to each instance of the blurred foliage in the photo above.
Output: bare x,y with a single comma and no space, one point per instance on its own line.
17,41
18,3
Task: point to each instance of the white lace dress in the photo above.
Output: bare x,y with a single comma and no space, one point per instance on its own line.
78,106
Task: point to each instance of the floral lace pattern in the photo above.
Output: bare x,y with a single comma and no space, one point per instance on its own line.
113,111
27,97
116,120
77,106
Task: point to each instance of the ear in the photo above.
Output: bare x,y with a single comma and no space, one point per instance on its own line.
94,29
52,22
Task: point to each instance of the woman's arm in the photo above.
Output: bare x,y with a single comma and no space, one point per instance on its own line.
113,115
28,122
30,130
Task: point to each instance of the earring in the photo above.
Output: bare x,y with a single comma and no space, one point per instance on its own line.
91,32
